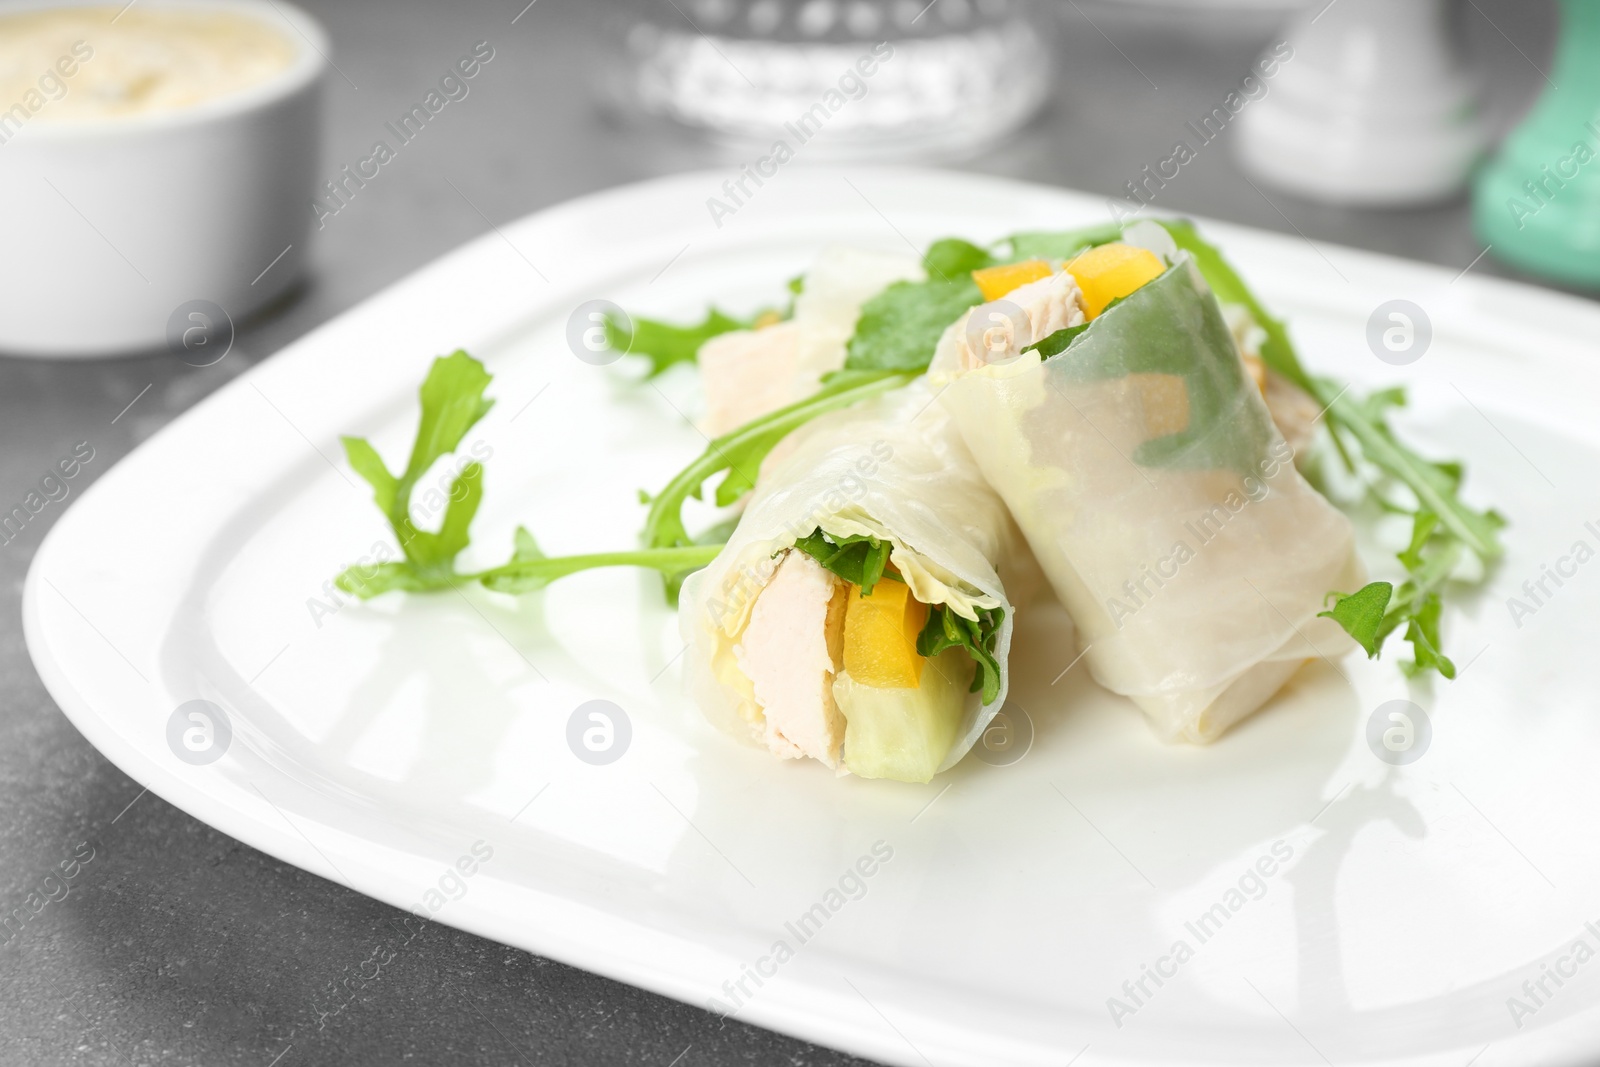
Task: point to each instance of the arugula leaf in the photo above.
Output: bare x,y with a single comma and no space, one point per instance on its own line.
859,558
524,549
526,573
366,582
1061,244
951,257
1361,614
1352,419
665,344
945,629
1422,526
1058,342
740,452
1432,483
452,403
1443,526
1430,558
900,327
1422,630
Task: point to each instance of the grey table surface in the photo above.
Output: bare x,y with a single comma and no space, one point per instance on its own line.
178,944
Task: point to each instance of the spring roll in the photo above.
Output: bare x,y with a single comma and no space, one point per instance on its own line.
787,646
1147,475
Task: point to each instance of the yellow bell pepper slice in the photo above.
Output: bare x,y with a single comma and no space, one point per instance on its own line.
1164,399
880,636
1107,272
995,282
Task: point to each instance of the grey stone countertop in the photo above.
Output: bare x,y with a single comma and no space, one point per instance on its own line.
177,944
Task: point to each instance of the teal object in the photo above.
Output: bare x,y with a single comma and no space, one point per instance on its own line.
1538,203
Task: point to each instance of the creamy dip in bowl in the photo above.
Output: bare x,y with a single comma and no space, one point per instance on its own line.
147,60
158,156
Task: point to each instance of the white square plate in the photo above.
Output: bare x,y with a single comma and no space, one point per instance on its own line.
1022,908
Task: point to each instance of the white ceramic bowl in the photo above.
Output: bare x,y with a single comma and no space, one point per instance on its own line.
114,225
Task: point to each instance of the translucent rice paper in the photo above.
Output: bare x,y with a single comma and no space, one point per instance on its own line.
750,373
1155,491
829,303
895,468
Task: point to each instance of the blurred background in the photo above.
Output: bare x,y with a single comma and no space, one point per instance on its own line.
1359,122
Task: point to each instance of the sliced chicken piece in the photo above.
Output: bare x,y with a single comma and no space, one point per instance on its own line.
747,374
750,373
1295,413
996,333
790,651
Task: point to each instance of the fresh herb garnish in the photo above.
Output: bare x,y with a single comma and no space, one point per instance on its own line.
452,403
740,452
949,258
1362,614
901,326
1378,609
530,569
1058,342
859,558
1443,526
1062,244
945,629
665,344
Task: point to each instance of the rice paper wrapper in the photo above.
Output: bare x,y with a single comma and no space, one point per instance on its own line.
1162,502
895,468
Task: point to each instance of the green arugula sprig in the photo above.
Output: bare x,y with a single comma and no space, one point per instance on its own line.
665,344
1377,609
453,401
1443,525
945,629
862,559
740,452
1056,343
901,326
859,558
